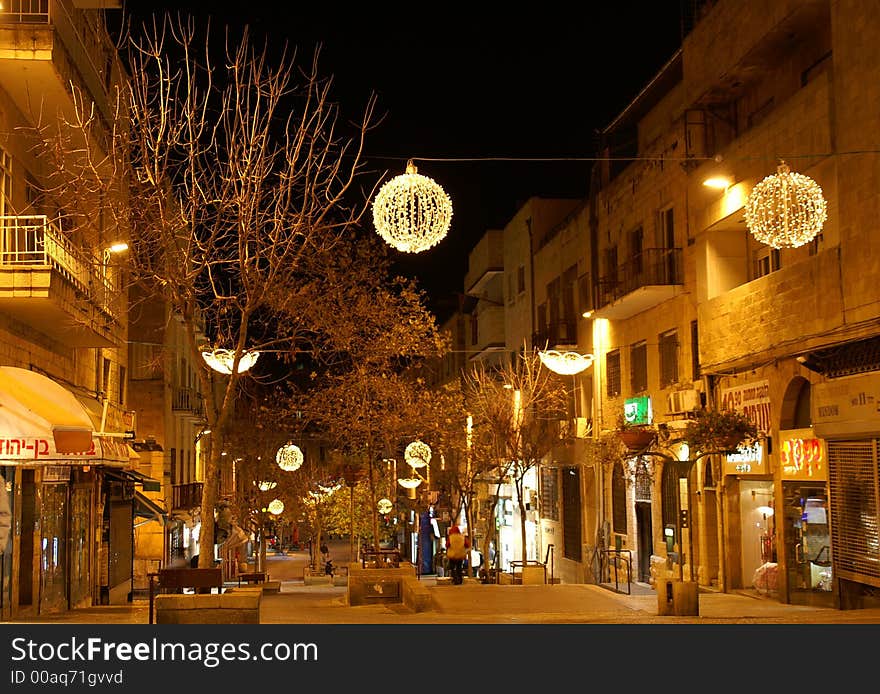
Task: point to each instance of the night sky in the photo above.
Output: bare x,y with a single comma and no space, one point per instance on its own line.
473,82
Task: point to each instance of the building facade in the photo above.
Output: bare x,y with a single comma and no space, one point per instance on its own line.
693,311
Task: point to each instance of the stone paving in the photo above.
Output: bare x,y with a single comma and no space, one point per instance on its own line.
474,603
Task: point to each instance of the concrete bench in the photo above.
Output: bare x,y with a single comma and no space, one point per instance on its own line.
235,606
416,595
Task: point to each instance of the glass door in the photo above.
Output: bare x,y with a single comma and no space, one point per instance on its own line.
807,544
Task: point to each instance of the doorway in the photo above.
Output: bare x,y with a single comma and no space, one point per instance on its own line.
645,540
807,545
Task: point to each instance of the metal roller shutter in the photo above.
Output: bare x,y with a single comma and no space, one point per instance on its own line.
853,486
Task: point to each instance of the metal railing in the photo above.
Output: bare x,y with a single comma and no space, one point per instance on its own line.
25,11
186,496
188,400
613,561
653,266
35,241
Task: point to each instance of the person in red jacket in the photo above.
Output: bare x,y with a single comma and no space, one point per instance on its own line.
456,551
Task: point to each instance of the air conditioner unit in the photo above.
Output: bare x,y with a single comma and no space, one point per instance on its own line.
683,401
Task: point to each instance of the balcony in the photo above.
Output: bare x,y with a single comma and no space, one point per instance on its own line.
50,45
54,287
558,334
189,402
185,497
485,262
646,280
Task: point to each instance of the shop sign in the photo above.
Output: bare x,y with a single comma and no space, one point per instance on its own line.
638,410
802,456
848,405
748,460
752,399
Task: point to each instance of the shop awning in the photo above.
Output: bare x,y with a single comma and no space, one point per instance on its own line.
144,507
149,484
41,420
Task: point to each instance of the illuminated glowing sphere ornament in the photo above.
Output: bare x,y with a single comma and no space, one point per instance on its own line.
412,212
565,363
417,454
276,507
384,506
786,210
289,457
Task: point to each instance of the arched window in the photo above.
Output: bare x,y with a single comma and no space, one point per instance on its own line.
669,485
618,499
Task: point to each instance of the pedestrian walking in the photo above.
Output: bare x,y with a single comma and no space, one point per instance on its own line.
456,552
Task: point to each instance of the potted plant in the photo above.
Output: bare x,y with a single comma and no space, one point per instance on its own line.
635,437
719,430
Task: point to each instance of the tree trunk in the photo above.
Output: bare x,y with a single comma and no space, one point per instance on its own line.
209,502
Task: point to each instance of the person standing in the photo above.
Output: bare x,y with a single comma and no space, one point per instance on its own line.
456,552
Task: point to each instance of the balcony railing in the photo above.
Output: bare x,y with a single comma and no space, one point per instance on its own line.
562,332
188,400
651,267
25,11
185,497
34,242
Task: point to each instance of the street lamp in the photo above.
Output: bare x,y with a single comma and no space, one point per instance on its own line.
222,360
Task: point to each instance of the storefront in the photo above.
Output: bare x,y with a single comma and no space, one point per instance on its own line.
54,467
846,416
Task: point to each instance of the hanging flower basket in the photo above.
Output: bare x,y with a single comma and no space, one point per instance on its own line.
636,439
719,430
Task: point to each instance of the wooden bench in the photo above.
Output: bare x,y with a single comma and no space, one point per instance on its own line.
175,580
253,577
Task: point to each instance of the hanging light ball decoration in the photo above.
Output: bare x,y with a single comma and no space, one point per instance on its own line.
289,457
276,507
384,506
565,363
412,212
786,210
222,360
417,454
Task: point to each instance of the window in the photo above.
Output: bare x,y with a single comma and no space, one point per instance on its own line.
667,229
549,494
695,351
475,329
520,279
541,318
636,249
668,358
174,475
569,289
5,182
121,384
618,499
611,264
766,261
612,373
638,367
585,294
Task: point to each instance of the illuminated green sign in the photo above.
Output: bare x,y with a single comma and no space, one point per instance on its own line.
638,410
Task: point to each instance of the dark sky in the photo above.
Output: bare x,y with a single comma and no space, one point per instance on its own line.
473,81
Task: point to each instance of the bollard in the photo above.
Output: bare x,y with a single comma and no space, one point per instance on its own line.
685,599
664,596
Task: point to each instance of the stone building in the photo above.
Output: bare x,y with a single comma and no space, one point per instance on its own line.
693,311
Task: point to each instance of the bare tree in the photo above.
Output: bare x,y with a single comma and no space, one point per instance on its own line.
242,178
516,411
